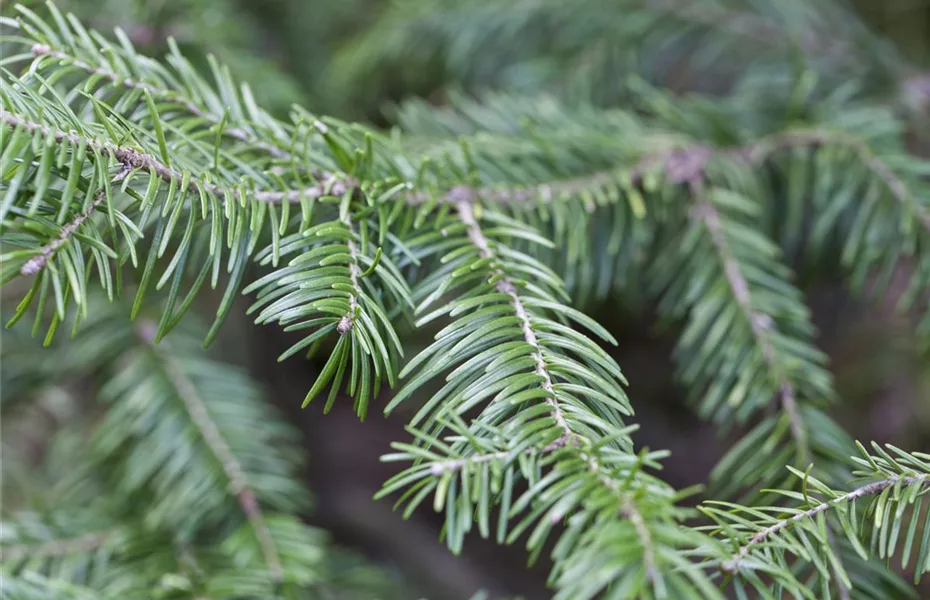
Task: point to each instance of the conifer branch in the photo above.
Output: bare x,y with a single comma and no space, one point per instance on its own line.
680,165
192,107
40,261
760,150
629,510
131,158
464,198
238,482
760,324
530,421
872,489
688,163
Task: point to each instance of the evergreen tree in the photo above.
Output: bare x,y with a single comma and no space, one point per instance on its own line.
131,187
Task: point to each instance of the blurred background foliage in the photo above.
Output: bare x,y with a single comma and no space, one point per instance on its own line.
357,59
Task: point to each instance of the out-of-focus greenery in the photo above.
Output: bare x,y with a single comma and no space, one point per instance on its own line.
356,58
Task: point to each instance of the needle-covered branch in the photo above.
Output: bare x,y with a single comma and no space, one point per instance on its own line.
528,397
504,215
176,479
884,515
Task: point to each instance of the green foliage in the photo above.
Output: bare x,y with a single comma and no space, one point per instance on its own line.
140,181
178,495
884,514
581,51
330,281
200,28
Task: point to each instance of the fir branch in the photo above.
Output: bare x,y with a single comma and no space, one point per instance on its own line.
579,458
40,261
131,158
872,489
464,198
605,479
238,482
758,151
760,324
685,164
328,288
243,135
680,165
761,327
628,509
